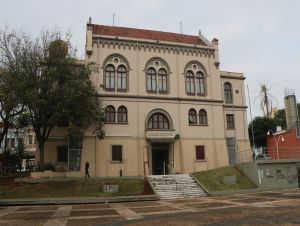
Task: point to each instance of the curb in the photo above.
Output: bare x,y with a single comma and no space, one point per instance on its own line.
81,200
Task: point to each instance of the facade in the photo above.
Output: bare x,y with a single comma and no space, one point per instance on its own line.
169,109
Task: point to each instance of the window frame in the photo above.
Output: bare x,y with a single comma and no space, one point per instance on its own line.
162,78
158,121
190,82
110,80
203,117
230,121
200,153
192,117
122,78
122,116
111,114
116,153
200,84
151,80
228,93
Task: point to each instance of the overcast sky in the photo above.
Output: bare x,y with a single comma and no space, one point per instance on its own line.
257,37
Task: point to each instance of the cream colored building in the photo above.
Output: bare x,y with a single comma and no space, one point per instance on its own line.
169,108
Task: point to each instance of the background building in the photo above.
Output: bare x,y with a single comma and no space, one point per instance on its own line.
169,108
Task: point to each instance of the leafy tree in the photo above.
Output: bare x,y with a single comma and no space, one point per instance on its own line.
280,117
261,126
52,85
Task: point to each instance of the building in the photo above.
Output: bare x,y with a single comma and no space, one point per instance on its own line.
169,108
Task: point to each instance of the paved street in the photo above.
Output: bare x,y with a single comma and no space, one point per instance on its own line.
264,208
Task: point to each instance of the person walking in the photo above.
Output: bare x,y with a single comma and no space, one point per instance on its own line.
87,165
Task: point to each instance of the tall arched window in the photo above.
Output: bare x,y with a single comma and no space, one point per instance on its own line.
192,117
122,114
190,82
195,79
110,114
116,69
200,86
122,78
157,76
151,80
109,77
158,121
162,81
202,117
228,96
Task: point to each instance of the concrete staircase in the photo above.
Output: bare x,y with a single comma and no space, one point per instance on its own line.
176,186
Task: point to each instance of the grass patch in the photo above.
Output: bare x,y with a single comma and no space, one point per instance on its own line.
71,188
212,179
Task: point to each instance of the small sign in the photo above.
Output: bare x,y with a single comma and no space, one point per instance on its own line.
111,188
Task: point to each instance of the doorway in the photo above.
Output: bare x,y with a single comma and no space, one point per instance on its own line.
298,169
160,158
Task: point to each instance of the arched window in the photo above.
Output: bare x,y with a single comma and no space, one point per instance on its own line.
151,80
192,117
122,114
110,77
110,114
158,121
122,78
116,69
157,75
202,117
162,81
228,96
200,86
190,82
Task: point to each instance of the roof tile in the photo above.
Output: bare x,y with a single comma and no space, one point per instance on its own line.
146,34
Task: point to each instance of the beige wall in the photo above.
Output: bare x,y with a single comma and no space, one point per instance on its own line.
137,153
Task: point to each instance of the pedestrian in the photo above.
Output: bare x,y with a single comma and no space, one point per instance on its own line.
87,165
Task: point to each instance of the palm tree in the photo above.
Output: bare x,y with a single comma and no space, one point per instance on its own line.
266,99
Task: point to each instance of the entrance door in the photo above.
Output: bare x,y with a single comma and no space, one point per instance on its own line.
160,159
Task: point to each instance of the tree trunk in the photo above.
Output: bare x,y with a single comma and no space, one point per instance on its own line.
42,155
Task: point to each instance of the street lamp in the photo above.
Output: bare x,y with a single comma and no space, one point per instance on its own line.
276,140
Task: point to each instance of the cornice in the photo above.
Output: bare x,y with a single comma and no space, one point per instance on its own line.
139,97
153,46
233,77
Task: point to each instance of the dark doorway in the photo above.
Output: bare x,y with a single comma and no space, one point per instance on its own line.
160,159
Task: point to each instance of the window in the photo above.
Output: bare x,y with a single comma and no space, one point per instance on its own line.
189,82
122,114
62,154
200,86
116,153
162,81
110,114
157,72
122,78
230,121
151,80
192,117
158,121
116,68
12,142
195,76
202,117
228,93
200,153
110,77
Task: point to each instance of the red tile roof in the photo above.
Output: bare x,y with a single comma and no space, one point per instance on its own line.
146,34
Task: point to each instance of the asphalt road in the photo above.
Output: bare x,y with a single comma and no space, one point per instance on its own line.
280,207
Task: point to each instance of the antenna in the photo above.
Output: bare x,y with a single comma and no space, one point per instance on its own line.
180,27
113,19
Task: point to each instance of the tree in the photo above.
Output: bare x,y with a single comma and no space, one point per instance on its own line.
266,99
261,126
51,84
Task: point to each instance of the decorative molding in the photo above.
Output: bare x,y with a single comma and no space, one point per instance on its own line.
154,47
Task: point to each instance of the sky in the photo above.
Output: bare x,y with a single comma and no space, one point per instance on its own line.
259,38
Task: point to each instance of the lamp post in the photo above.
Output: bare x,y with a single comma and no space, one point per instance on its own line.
276,140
